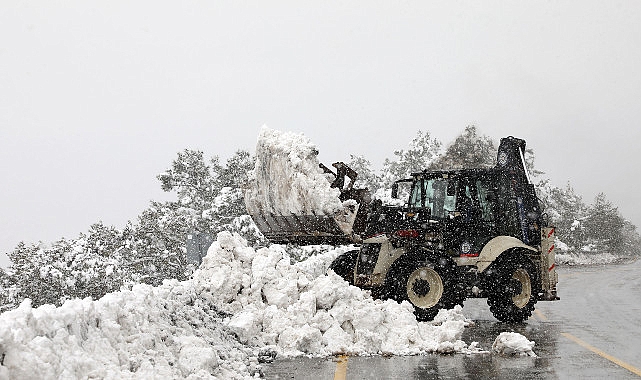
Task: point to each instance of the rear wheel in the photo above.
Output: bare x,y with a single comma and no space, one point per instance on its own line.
344,265
514,293
428,286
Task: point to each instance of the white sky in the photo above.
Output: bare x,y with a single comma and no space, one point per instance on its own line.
96,98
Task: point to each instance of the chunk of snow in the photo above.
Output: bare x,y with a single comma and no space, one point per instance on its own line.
514,344
287,178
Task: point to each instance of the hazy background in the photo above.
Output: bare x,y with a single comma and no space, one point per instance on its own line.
96,98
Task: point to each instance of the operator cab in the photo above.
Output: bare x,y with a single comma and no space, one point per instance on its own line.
461,208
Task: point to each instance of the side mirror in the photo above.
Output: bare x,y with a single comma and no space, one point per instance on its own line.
395,190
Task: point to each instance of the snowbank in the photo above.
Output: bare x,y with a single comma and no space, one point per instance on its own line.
168,331
295,309
513,344
585,259
287,178
565,257
241,303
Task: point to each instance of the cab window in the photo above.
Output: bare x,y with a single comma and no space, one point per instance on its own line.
485,194
432,194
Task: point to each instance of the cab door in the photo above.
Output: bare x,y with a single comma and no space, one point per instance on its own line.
474,220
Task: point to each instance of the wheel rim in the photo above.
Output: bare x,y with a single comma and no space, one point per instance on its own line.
521,299
424,287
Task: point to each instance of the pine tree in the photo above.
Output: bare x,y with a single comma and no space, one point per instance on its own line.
90,265
99,265
469,150
158,249
8,291
631,245
229,202
40,272
419,155
604,226
367,178
210,199
195,181
566,211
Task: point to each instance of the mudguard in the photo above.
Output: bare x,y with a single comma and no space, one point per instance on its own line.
495,247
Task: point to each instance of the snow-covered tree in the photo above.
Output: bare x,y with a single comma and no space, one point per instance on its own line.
565,210
96,262
604,226
419,155
209,194
90,265
469,150
195,181
535,173
41,272
229,202
158,246
209,200
367,178
8,291
631,244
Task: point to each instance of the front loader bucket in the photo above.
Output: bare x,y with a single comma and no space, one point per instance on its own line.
291,198
341,228
301,229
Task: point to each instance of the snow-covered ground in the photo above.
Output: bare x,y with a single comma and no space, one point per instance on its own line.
565,257
240,304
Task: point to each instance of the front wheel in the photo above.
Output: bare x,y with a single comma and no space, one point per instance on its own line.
428,286
513,297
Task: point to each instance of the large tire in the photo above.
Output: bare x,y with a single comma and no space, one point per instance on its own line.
344,265
514,291
429,285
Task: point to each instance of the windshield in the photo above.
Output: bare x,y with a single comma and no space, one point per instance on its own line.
432,194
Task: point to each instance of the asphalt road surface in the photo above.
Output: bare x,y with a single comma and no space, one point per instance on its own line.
593,332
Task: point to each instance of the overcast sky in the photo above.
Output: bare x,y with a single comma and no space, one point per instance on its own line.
96,98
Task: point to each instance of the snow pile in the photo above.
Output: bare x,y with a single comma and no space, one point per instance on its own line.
513,344
241,304
168,331
287,178
294,309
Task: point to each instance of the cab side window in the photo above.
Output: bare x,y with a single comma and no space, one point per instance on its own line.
486,197
417,195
